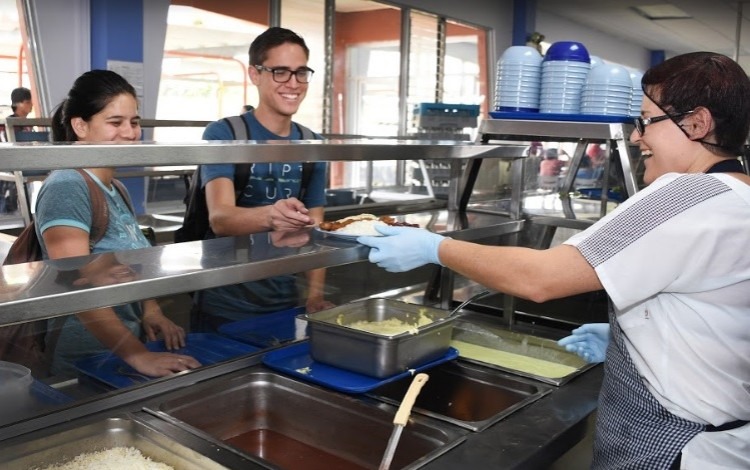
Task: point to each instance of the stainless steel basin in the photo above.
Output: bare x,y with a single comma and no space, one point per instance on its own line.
467,395
295,425
106,434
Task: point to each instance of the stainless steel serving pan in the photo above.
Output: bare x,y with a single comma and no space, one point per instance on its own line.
489,332
333,342
106,434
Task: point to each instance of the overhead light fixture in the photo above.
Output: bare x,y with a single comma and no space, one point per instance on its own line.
664,11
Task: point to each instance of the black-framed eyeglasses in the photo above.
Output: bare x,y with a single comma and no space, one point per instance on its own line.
641,123
284,74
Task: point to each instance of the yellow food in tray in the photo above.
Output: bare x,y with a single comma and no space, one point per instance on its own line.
529,365
389,327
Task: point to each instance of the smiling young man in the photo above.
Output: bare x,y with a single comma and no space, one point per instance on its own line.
272,199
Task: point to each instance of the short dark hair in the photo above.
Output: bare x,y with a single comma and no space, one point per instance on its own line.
270,38
709,80
91,92
19,95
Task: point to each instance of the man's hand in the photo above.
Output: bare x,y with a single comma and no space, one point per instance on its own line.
289,214
290,238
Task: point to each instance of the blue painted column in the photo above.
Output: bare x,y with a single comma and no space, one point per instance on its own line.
657,57
117,44
524,20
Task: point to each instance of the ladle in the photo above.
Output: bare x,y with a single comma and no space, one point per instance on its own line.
471,299
401,418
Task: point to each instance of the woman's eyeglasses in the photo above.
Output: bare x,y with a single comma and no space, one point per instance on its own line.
641,123
283,74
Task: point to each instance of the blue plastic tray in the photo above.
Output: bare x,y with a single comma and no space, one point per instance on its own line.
207,348
263,331
44,394
596,193
295,360
561,117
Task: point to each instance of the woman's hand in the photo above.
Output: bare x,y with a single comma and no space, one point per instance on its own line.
316,304
154,322
160,364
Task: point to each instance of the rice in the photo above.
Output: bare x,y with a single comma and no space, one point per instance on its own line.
361,227
116,458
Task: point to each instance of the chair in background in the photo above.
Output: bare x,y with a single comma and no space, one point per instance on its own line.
26,130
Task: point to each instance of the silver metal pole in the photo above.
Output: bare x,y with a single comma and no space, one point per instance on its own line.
403,86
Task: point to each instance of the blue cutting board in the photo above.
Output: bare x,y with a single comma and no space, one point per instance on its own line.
207,348
295,360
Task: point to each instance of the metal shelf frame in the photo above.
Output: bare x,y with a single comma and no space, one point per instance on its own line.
21,180
614,134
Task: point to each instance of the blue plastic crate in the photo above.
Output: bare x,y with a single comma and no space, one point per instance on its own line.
446,116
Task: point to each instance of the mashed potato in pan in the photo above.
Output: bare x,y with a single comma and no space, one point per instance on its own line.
388,327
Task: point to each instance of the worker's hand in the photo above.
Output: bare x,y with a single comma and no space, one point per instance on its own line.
588,341
402,248
288,214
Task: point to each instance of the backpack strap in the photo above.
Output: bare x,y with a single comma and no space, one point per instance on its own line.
306,133
239,127
307,172
240,131
307,167
100,208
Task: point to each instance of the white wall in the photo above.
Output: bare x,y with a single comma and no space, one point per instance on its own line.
498,15
609,48
154,32
60,46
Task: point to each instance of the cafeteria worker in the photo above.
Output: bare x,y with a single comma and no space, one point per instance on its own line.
674,260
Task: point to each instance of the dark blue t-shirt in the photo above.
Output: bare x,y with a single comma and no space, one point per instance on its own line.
267,183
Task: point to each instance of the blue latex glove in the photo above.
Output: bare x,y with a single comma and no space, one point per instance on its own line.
588,341
402,248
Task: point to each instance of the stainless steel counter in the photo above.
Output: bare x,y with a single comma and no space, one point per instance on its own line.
530,438
46,156
48,288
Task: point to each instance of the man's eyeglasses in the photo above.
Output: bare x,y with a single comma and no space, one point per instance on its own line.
641,123
283,74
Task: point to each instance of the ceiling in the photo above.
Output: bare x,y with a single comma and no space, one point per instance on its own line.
712,26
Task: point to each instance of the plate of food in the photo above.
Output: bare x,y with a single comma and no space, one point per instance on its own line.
355,226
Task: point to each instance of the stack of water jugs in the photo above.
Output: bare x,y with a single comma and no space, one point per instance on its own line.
637,99
564,70
567,80
608,91
519,73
